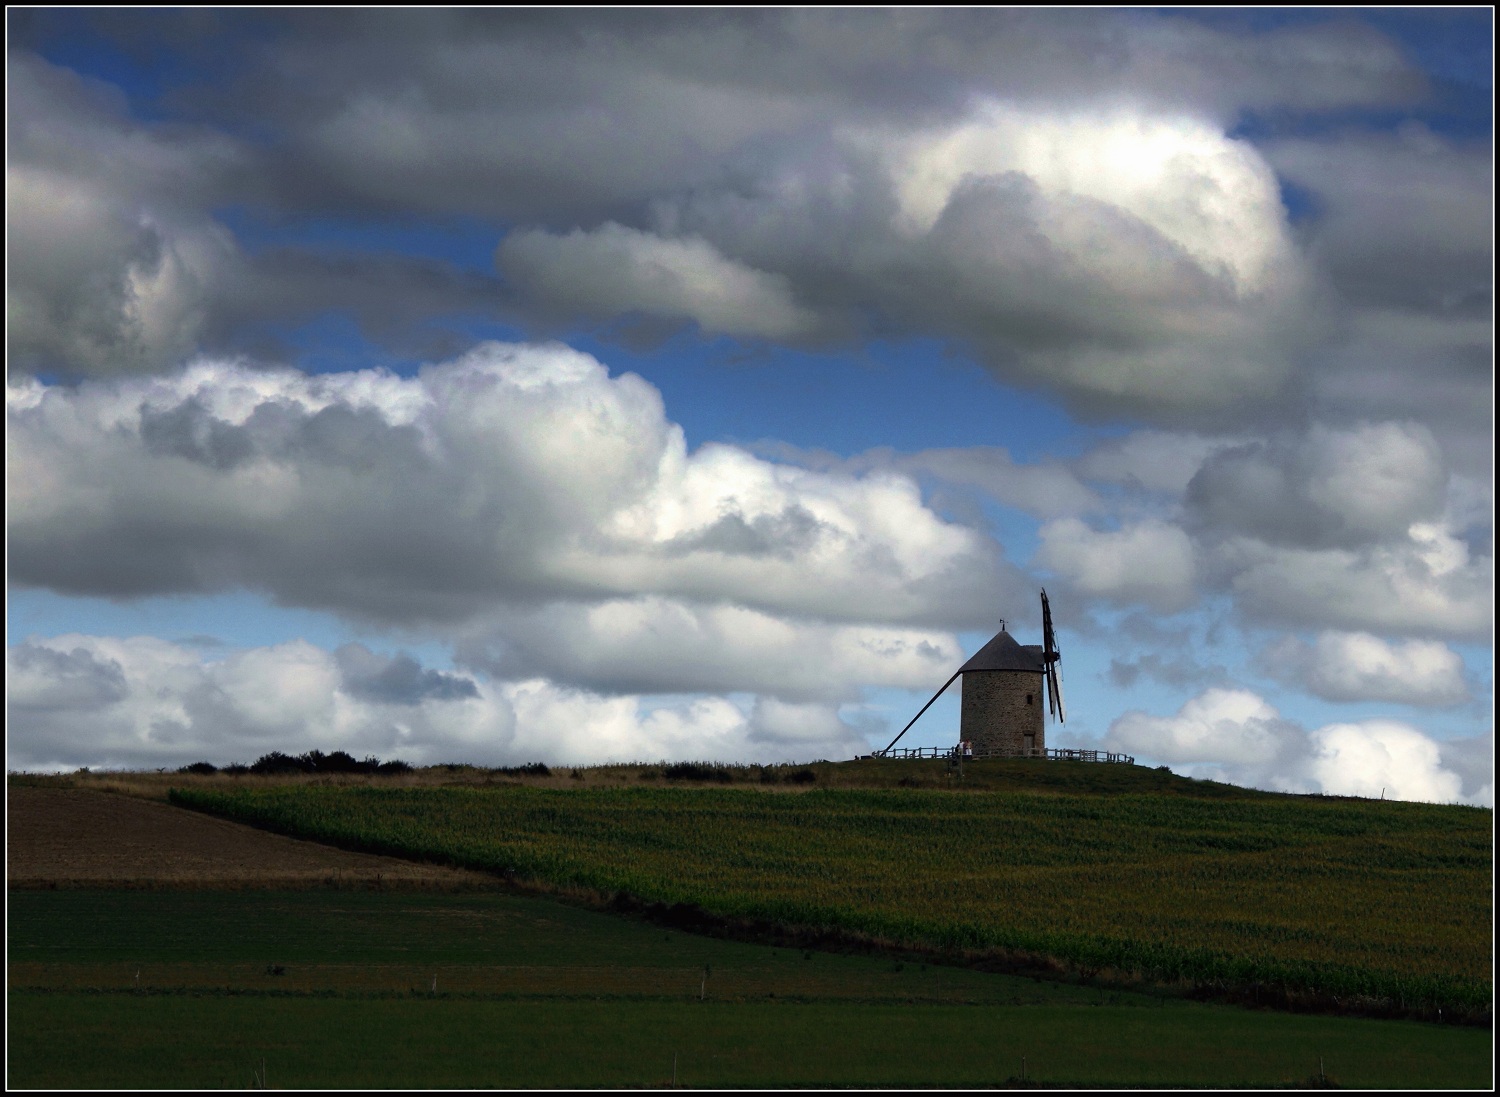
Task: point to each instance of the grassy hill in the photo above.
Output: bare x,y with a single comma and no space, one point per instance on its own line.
1115,872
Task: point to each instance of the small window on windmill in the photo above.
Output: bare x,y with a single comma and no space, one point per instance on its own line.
1028,698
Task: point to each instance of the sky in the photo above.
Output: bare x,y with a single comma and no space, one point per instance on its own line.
499,386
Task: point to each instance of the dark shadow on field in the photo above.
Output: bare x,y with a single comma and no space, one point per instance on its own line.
694,919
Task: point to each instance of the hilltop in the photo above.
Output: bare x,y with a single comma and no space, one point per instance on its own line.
984,775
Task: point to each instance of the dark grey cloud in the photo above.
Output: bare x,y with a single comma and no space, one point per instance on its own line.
768,149
788,534
1179,672
111,256
1404,220
397,679
617,272
1473,760
1402,233
802,176
117,264
1045,488
392,298
46,678
1326,488
1150,462
192,432
391,549
497,112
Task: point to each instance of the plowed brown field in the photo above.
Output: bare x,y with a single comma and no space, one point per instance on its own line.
82,838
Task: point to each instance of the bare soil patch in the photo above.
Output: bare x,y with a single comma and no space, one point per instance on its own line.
61,837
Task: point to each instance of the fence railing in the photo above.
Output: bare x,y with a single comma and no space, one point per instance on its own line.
1048,753
1090,756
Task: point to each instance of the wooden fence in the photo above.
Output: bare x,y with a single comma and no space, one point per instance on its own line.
1049,754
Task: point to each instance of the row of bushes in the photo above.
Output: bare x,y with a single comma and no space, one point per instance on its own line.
314,761
717,772
534,769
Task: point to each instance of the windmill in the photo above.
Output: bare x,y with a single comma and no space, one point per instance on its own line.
1052,657
1001,710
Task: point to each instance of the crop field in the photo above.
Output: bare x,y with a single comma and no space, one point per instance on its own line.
421,989
1343,899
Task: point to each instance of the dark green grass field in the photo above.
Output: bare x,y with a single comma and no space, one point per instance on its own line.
163,989
1143,876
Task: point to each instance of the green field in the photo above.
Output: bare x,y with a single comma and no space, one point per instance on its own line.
163,989
1185,883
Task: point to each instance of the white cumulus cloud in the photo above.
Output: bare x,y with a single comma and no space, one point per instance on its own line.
1427,583
511,475
656,645
1357,666
1225,726
1380,757
519,503
1214,199
142,702
1234,735
1150,562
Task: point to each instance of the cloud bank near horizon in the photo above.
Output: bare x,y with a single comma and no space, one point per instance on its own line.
1234,735
149,703
142,703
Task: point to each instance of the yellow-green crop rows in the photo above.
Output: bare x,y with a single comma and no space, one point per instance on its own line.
1342,897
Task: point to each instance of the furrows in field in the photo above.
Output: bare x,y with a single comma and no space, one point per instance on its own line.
1336,896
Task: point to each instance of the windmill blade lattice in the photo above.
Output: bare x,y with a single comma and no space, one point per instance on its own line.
1052,657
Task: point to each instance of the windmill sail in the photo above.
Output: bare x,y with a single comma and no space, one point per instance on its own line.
1052,659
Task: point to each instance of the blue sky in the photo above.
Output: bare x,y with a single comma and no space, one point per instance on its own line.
581,385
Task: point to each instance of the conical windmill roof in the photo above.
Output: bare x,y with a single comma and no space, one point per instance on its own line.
1003,653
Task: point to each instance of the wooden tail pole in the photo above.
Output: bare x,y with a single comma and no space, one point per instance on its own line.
925,707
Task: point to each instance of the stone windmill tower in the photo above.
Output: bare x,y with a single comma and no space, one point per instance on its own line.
1003,686
1002,698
